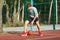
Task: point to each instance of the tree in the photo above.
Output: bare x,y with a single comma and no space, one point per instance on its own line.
18,12
14,14
1,5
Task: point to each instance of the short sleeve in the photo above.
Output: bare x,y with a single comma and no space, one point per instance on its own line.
35,10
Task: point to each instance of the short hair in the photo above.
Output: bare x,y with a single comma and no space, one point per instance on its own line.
28,5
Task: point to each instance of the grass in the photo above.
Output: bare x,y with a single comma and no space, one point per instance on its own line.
3,33
12,25
19,24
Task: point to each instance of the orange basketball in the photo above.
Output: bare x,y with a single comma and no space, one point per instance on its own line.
30,32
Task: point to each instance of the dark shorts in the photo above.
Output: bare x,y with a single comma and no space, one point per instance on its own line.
30,19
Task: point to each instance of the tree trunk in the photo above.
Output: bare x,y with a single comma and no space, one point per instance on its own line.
23,14
14,14
50,13
18,12
1,4
7,15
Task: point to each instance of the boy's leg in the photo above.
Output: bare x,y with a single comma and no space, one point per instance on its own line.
25,27
38,26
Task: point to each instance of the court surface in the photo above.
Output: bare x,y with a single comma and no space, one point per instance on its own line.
47,35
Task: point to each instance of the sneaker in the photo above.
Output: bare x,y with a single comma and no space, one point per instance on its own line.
24,34
40,33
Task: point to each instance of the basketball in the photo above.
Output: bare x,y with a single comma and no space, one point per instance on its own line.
30,32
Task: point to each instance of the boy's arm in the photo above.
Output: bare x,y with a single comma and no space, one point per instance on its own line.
35,15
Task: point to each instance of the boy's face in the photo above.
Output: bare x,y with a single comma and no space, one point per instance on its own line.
29,8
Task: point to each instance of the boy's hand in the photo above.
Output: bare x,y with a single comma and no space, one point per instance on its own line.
32,22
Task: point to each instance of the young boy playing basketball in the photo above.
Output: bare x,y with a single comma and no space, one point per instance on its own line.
33,17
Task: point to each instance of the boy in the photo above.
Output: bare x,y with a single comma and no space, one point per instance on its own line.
33,17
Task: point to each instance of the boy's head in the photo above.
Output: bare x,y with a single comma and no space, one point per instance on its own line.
29,6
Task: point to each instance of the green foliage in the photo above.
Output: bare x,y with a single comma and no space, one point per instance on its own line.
43,7
4,14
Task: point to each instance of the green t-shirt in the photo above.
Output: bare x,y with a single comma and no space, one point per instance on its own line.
32,11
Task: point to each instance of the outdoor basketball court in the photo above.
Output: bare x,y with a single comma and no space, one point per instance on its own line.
48,35
14,33
48,10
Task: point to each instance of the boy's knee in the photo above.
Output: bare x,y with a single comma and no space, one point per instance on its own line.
37,21
26,22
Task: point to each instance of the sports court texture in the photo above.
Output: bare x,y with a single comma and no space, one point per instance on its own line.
48,35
